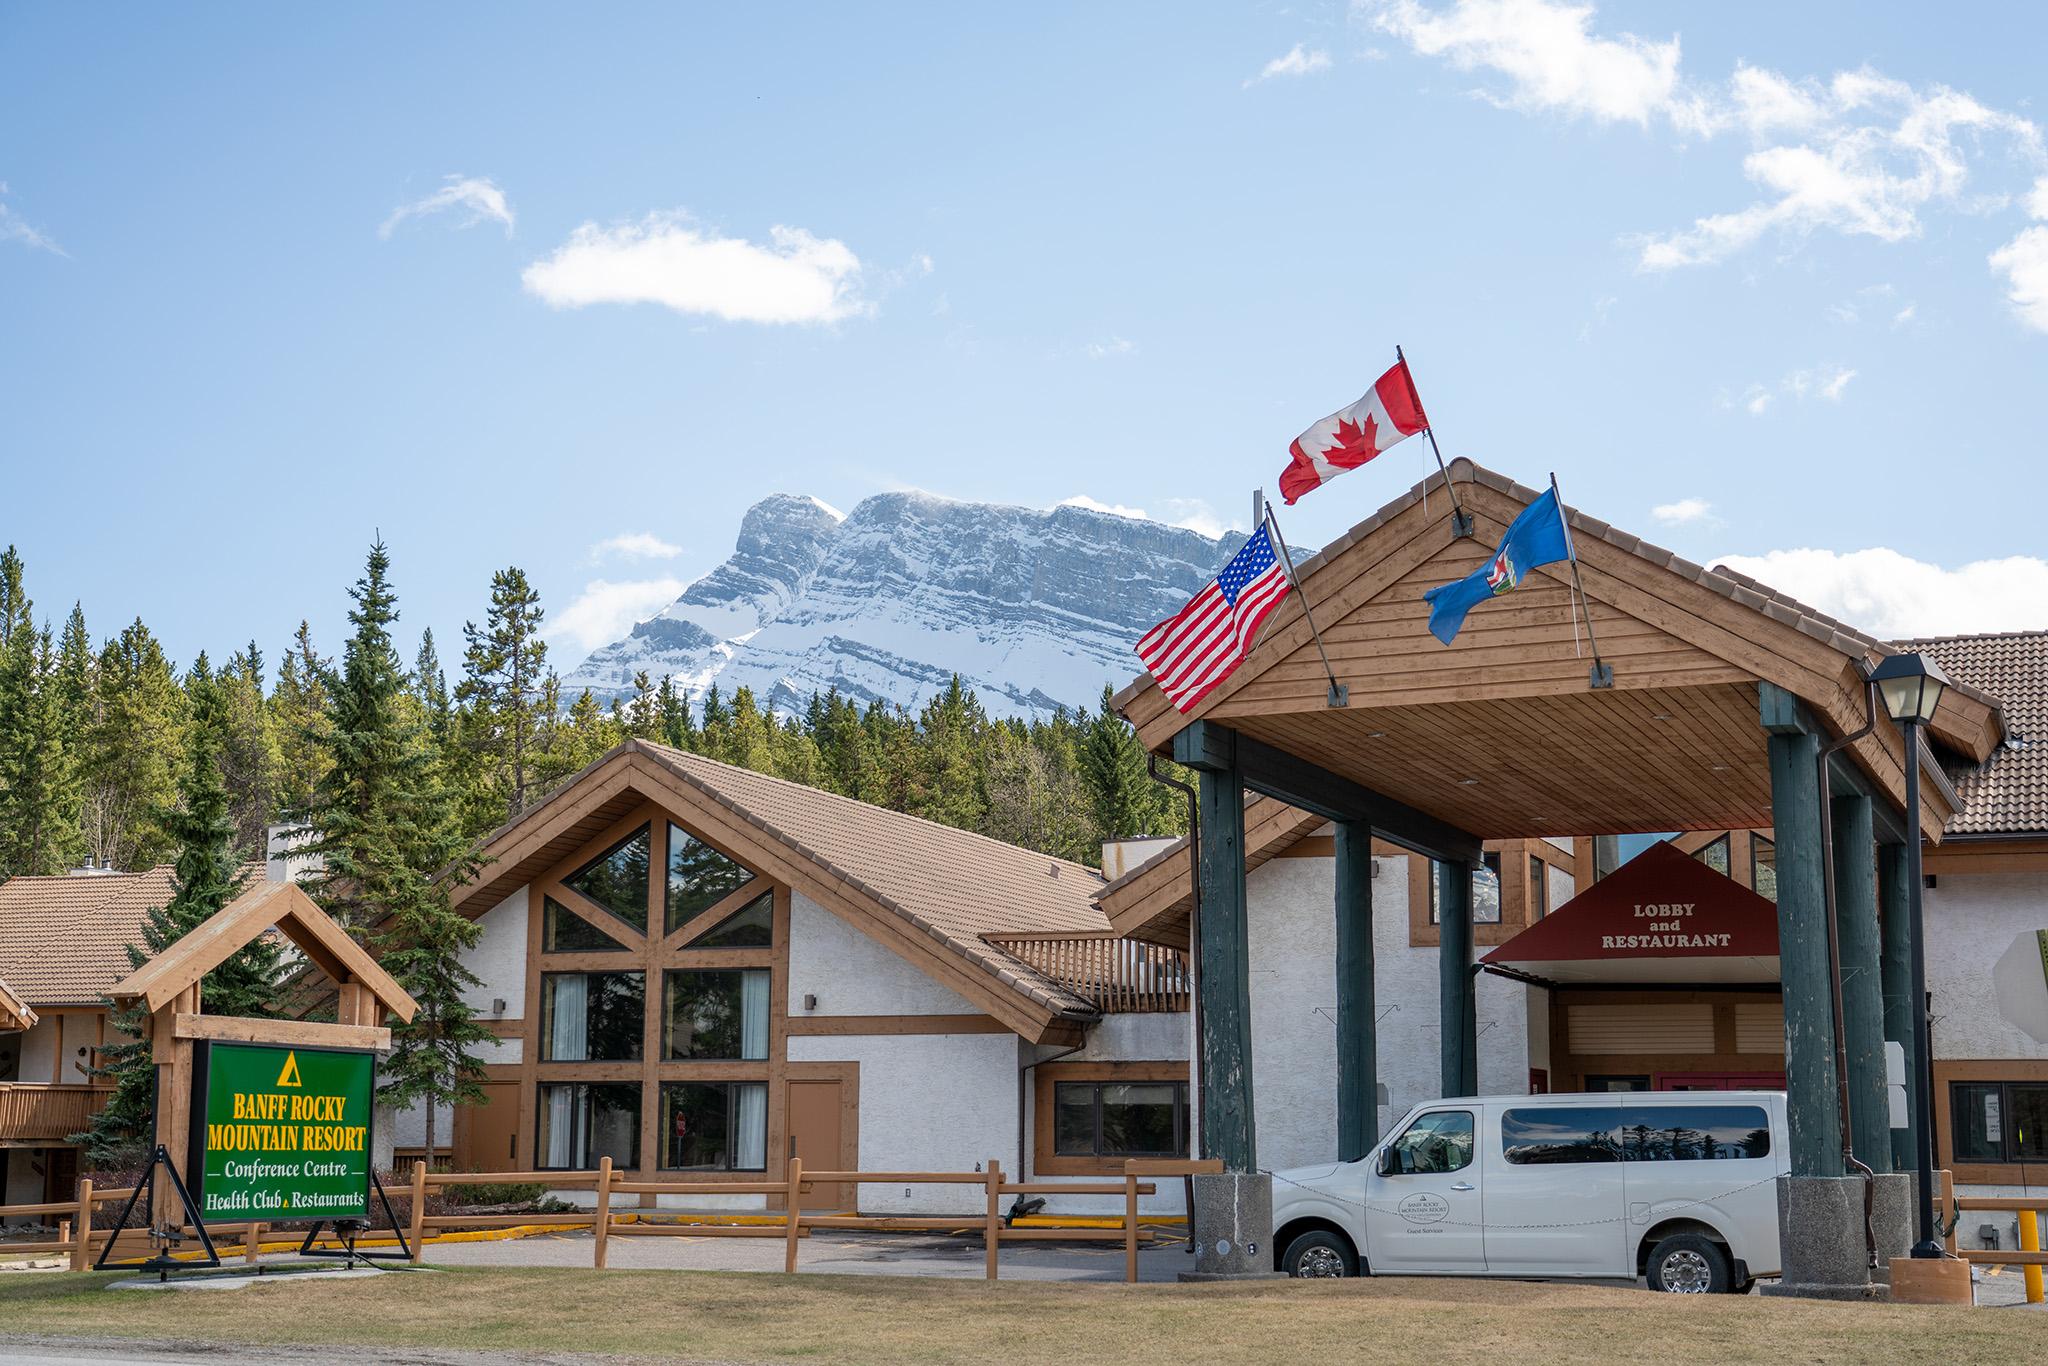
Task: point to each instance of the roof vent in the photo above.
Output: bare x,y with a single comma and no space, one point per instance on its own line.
1052,870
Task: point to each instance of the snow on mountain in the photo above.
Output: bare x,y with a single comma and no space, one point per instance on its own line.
1033,609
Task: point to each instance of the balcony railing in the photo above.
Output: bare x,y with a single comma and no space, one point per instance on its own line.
43,1113
1119,976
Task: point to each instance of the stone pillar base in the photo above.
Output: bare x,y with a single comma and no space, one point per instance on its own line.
1820,1240
1233,1223
1891,1214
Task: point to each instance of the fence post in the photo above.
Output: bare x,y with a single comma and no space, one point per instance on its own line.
992,1231
418,1221
1948,1217
604,1206
252,1243
1130,1227
81,1244
791,1211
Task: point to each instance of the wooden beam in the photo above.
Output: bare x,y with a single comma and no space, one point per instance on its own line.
1228,1129
295,1033
1358,1110
1264,768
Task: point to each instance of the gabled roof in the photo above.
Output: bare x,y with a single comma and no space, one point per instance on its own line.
267,905
2008,794
15,1013
63,940
927,890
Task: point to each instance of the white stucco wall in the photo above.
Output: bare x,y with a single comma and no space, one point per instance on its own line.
38,1049
24,1181
1292,935
498,958
1971,921
851,974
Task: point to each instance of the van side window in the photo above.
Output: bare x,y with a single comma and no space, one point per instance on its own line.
1696,1133
1541,1135
1440,1141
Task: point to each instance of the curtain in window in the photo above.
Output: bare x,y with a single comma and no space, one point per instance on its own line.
750,1125
570,1028
561,1127
754,1014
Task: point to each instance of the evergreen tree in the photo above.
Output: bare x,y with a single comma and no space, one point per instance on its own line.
430,686
39,791
135,741
250,756
384,827
678,728
1120,794
207,875
300,722
504,670
948,784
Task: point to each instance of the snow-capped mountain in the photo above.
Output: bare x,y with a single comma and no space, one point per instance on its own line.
1033,609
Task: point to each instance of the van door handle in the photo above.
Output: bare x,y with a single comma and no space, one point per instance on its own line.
1461,1185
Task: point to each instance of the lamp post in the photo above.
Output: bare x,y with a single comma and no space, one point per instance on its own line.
1911,685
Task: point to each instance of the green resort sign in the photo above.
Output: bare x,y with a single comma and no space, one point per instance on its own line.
282,1132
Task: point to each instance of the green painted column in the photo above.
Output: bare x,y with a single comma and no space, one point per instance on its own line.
1227,1125
1358,1111
1459,1054
1896,970
1856,937
1812,1106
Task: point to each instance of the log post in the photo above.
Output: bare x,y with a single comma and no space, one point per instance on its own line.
1855,856
1130,1228
81,1242
1457,1053
992,1230
252,1243
604,1206
792,1211
1358,1111
418,1218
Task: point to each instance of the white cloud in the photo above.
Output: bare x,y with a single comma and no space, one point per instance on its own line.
1757,400
604,612
13,229
2024,263
1110,346
1683,511
1861,153
1904,315
1297,61
635,545
1891,595
477,198
1824,381
1548,53
666,259
1082,500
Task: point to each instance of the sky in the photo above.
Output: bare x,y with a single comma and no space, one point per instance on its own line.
570,289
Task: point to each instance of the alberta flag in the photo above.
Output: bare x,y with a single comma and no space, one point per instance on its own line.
1536,537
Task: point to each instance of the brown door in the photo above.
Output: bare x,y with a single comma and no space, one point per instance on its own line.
815,1117
487,1133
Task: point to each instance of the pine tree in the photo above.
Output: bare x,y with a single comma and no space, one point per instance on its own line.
39,791
384,827
206,876
1113,771
678,728
504,670
430,686
250,757
300,723
135,741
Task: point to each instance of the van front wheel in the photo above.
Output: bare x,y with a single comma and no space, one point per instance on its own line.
1687,1264
1319,1254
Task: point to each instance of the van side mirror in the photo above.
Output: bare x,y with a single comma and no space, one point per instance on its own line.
1384,1165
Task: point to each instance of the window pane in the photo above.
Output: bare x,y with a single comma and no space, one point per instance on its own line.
592,1016
1715,856
1691,1133
1074,1119
714,1125
717,1013
617,878
1486,891
2027,1106
1438,1142
564,931
1617,1083
752,927
579,1125
1137,1119
698,876
1579,1133
1539,889
1979,1128
1764,867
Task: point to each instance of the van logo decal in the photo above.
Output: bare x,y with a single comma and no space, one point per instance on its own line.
1423,1208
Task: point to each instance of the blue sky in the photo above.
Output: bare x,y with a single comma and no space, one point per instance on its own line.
570,289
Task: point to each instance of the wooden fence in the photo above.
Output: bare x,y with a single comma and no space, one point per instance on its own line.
1120,976
2028,1255
82,1243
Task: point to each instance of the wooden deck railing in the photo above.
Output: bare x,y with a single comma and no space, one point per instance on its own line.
42,1112
1120,976
2027,1256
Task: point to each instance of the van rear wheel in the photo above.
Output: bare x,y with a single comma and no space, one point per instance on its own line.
1687,1264
1319,1255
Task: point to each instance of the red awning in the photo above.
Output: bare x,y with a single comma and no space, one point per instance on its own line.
1662,917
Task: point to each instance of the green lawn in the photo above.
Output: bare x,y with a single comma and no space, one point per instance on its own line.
725,1316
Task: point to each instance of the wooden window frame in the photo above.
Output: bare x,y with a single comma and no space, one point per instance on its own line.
1047,1076
1515,892
1948,1071
707,1173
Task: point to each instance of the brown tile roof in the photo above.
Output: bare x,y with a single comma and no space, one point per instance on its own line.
953,885
2008,794
63,940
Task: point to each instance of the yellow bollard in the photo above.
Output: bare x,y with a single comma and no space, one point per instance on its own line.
2030,1241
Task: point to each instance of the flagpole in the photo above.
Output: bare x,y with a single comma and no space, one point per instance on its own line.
1603,674
1461,521
1339,694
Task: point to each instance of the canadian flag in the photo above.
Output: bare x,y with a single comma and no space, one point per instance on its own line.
1389,413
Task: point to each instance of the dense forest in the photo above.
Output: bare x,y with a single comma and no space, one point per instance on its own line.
94,736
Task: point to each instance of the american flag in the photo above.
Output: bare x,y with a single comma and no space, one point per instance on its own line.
1198,647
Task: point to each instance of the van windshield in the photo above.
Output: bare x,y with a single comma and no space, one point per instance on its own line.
1440,1141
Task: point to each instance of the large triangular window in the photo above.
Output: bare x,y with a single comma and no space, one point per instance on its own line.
699,877
750,927
617,878
564,931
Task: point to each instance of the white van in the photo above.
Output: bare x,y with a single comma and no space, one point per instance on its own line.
1676,1186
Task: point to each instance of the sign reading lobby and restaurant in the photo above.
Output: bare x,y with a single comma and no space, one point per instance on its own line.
280,1132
